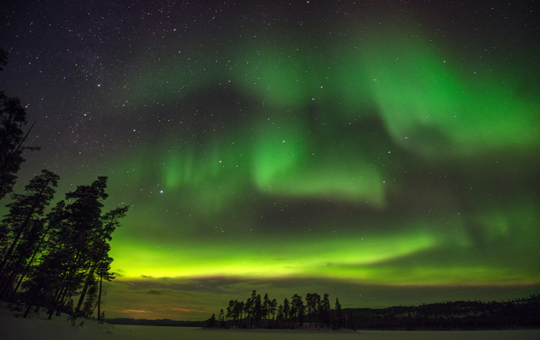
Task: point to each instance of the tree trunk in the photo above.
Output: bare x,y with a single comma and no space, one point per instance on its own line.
85,289
24,226
23,275
62,303
51,312
7,282
99,296
27,311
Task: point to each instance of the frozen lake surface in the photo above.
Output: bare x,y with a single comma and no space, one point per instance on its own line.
143,332
39,329
203,334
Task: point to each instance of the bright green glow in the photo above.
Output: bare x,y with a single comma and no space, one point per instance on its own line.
371,258
426,276
426,103
425,98
281,149
361,183
368,260
285,165
271,260
421,93
383,160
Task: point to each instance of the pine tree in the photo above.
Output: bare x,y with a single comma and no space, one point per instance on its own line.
75,260
12,119
315,307
211,323
23,228
104,274
90,301
83,223
309,303
230,310
265,308
312,302
286,310
273,307
297,309
280,317
338,316
247,310
221,319
240,307
325,310
98,249
257,309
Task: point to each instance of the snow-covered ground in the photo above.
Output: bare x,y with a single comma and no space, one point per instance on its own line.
39,328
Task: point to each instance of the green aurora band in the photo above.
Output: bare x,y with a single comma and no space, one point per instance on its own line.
434,111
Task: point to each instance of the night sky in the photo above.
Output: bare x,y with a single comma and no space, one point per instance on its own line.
383,152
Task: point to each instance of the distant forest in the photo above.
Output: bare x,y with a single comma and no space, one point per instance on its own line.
463,315
265,313
316,313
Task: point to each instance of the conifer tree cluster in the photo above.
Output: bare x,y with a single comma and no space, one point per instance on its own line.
265,313
56,259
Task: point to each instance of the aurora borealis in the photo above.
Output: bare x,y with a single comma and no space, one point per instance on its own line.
386,154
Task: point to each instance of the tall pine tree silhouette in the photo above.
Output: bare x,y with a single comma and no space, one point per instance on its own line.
77,260
12,137
22,229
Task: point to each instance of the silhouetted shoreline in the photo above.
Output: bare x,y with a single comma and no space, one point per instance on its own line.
518,314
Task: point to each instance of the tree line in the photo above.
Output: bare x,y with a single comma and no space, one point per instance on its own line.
58,259
316,313
259,312
464,315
